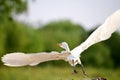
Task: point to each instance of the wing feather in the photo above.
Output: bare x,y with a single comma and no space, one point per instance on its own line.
112,23
21,59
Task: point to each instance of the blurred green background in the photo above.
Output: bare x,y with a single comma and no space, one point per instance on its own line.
101,59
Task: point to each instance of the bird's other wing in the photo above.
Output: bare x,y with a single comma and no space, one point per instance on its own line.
112,23
20,59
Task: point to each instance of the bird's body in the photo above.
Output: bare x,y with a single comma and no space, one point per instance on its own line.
112,23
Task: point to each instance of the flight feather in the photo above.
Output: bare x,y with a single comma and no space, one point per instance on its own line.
103,32
20,59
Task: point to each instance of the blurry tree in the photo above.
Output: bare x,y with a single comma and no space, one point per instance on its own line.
10,7
17,37
21,38
2,39
98,55
60,31
7,9
114,45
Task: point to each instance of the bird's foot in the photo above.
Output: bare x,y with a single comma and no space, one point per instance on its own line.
75,71
85,74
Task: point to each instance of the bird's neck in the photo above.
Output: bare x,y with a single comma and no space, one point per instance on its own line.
67,48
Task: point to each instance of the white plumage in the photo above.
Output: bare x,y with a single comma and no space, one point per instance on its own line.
20,59
103,32
112,23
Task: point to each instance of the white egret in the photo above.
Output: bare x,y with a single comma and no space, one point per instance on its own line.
103,32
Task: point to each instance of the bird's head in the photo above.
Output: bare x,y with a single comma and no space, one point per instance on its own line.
63,45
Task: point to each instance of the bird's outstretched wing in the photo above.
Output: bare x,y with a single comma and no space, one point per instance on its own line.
112,23
20,59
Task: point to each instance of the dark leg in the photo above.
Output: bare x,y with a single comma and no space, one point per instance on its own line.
83,70
74,70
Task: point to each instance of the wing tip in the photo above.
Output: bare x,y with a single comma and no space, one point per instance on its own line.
3,59
6,59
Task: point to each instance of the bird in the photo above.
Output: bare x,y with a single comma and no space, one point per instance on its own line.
103,32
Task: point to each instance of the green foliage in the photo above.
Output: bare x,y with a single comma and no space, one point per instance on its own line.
2,39
56,73
98,55
9,7
114,45
60,31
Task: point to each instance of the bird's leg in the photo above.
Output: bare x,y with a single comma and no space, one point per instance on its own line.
83,70
74,67
74,70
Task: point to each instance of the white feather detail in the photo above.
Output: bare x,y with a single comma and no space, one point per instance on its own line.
15,59
20,59
112,23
